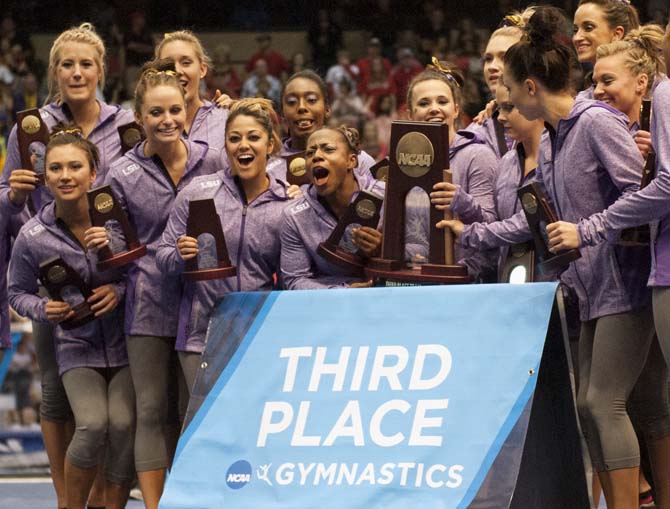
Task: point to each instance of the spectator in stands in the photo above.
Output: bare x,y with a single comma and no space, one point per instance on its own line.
9,36
223,76
371,142
364,64
378,81
27,95
348,107
138,45
324,38
342,71
21,370
402,73
262,84
298,63
383,112
276,63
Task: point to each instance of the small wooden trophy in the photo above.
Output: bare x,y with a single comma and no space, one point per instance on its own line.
204,225
363,211
64,284
33,136
539,214
103,207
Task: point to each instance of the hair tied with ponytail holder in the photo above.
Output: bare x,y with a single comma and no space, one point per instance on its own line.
625,2
512,20
448,73
152,72
75,131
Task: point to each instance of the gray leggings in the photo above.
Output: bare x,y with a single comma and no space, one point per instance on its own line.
190,363
149,358
661,301
612,352
103,403
55,406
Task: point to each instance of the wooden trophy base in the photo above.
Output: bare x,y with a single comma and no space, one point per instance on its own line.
121,259
429,273
342,258
82,316
639,236
560,261
209,274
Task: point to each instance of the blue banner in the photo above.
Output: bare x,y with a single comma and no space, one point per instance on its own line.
366,398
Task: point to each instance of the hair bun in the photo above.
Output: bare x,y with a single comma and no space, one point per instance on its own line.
543,27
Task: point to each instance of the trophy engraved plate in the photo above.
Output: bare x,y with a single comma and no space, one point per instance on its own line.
380,171
414,154
641,235
363,211
419,157
296,171
539,214
131,134
103,207
213,261
64,284
33,136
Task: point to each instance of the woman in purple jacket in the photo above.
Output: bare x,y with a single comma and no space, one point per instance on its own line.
204,120
76,72
435,95
146,181
623,70
488,126
92,359
251,204
594,162
306,108
331,157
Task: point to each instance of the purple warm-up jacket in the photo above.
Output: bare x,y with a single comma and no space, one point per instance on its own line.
593,162
5,339
306,224
147,193
252,238
209,125
488,131
98,344
649,205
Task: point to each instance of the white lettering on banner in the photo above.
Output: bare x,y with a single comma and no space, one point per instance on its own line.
349,424
376,423
389,363
418,475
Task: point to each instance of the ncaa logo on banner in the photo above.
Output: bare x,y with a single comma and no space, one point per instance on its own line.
238,475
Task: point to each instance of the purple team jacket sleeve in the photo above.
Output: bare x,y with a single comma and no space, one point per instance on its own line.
12,162
23,288
512,230
644,206
296,265
477,205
